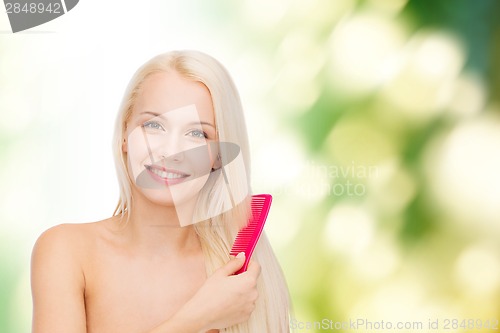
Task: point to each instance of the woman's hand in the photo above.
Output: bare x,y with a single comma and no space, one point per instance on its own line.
224,299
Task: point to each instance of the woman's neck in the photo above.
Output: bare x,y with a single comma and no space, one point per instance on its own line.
157,229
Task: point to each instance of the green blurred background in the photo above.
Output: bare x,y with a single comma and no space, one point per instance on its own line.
375,124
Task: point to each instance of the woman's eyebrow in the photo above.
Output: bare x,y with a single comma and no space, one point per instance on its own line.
202,123
190,124
151,113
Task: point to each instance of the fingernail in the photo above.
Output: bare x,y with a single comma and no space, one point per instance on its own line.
241,255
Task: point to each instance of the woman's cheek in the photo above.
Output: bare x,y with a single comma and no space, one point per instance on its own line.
137,152
199,161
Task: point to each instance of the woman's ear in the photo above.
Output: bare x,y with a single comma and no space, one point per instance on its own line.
124,145
214,155
217,163
124,136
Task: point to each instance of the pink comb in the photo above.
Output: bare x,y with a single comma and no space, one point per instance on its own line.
248,237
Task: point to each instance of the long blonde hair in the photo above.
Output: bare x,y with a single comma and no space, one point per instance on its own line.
216,234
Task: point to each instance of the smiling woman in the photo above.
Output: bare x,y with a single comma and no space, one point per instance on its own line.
161,263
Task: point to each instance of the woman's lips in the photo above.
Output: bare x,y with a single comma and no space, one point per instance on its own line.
166,176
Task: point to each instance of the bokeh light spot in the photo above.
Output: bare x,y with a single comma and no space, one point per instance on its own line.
477,271
360,46
465,174
349,229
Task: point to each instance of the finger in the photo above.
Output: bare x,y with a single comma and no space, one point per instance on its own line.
253,268
233,265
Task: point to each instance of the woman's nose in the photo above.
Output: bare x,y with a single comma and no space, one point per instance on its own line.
177,157
171,149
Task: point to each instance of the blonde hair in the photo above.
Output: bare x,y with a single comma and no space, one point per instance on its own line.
216,234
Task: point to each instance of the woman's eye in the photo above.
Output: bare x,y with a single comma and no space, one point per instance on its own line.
153,125
198,134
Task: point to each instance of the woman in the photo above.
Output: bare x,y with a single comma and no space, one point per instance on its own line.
161,263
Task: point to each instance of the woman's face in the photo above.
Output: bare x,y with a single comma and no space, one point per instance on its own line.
171,139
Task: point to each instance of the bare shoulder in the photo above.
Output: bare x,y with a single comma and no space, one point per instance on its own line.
58,278
63,239
63,234
67,245
76,236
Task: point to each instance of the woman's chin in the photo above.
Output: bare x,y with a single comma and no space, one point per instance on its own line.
174,198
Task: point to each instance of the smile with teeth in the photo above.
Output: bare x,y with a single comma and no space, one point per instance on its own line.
166,174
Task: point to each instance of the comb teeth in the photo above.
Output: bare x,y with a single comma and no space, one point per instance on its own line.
248,236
